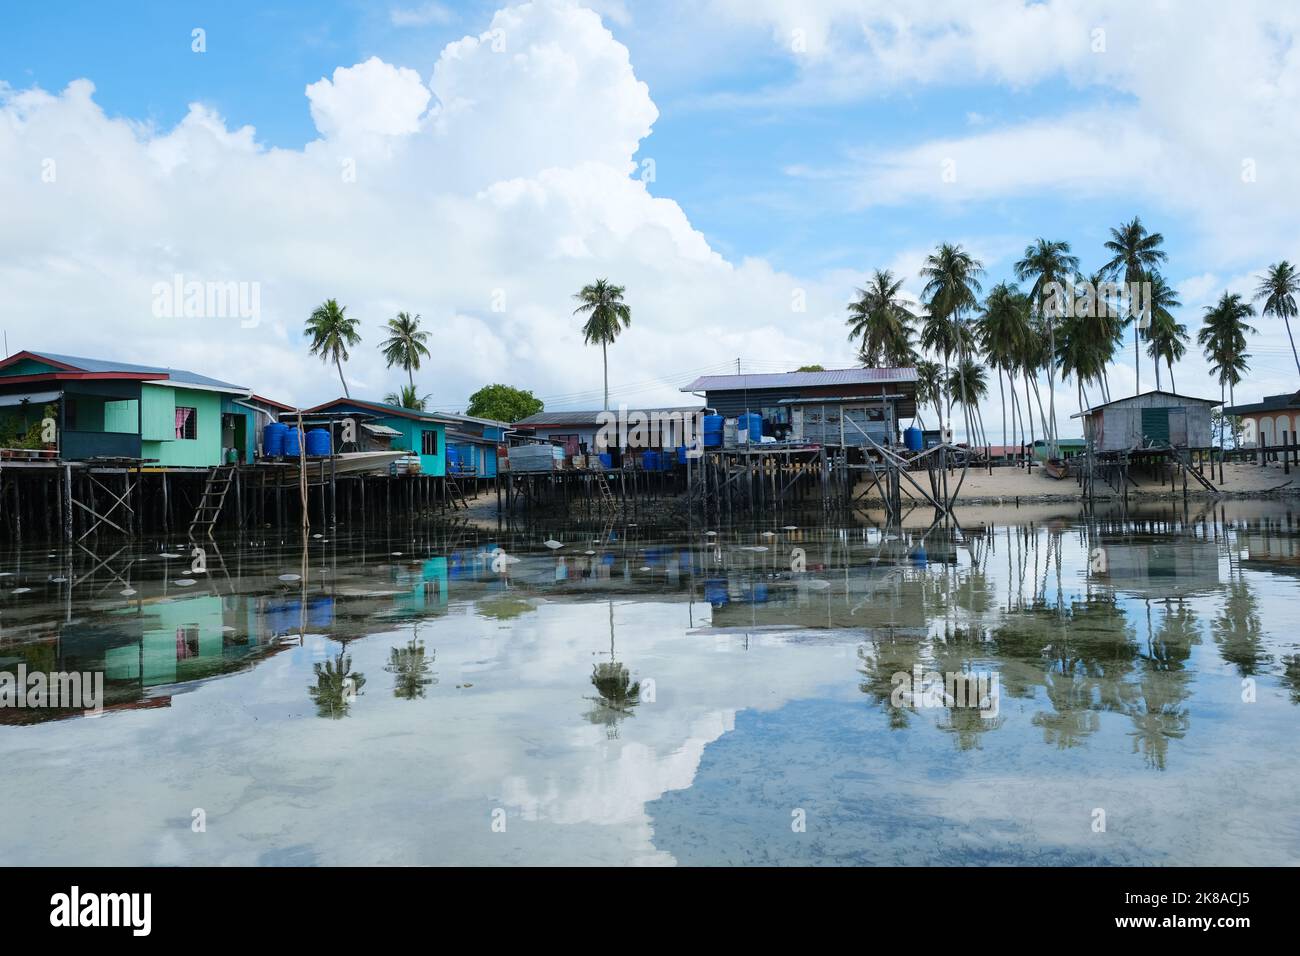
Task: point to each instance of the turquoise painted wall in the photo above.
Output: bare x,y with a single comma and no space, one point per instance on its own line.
411,440
204,450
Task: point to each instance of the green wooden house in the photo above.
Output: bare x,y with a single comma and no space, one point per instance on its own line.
109,409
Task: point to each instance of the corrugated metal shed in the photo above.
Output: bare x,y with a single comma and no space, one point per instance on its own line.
1153,418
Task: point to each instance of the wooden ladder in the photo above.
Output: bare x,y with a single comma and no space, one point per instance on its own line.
206,514
454,490
606,496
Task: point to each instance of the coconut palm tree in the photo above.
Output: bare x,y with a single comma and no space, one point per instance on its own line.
1166,337
1278,289
968,385
951,289
607,315
1001,327
1134,253
408,397
1049,265
882,322
929,387
332,334
405,344
1104,320
1223,337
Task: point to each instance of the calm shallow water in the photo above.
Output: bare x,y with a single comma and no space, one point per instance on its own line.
652,696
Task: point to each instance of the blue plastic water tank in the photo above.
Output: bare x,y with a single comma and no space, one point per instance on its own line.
318,442
681,454
291,448
650,461
273,439
753,424
606,460
913,439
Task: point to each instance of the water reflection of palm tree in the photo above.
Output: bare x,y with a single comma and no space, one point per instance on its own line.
878,665
1158,716
618,693
336,686
1237,629
411,669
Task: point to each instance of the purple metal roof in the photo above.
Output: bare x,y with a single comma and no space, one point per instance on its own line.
835,376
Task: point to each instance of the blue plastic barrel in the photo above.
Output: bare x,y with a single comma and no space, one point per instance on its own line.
681,454
291,448
318,442
606,460
913,439
650,461
273,439
753,423
712,431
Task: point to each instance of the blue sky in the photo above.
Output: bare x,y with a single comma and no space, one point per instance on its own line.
818,165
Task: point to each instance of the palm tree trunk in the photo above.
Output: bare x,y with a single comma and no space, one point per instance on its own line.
1294,354
1157,363
1172,386
1003,398
410,378
1030,413
604,358
339,366
1137,356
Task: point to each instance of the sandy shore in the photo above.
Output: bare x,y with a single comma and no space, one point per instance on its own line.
1017,486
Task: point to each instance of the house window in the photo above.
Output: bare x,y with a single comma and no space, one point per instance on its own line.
429,443
187,422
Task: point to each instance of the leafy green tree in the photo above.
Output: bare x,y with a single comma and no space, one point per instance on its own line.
332,333
503,403
607,315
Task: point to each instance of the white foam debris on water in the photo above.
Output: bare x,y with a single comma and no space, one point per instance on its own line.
768,534
646,567
290,577
126,592
710,534
22,590
789,527
589,552
553,544
817,584
184,582
316,536
397,554
168,554
58,580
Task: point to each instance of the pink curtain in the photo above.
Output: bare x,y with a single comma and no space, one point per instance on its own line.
182,417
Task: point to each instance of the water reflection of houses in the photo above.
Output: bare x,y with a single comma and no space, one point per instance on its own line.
1160,568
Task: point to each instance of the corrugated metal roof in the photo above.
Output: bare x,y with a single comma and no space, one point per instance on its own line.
1131,398
105,365
835,376
1271,403
590,417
